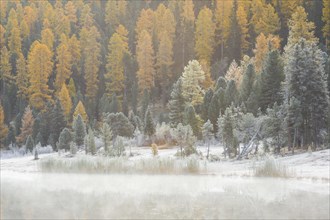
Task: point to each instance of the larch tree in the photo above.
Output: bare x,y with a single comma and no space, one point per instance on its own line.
235,73
300,27
91,52
265,19
3,127
242,20
192,78
5,67
14,38
80,110
145,59
47,38
204,36
63,66
114,13
71,12
66,102
27,125
2,36
75,51
22,80
118,48
145,22
263,46
326,20
39,70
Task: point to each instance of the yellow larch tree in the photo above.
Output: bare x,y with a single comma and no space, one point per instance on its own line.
72,89
146,21
244,27
66,101
222,18
164,21
115,11
91,52
63,66
47,38
264,19
39,68
2,36
75,51
145,60
263,46
14,38
208,81
80,110
5,67
300,27
118,47
204,36
22,80
27,126
326,20
71,12
3,127
30,15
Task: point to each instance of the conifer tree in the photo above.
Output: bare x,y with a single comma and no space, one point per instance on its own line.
22,81
176,104
79,130
190,118
114,105
271,80
29,144
145,59
3,127
63,66
204,36
234,38
231,93
242,20
206,104
106,136
91,142
192,78
326,20
64,140
207,135
27,126
66,102
149,127
304,71
247,83
80,110
39,70
5,68
58,121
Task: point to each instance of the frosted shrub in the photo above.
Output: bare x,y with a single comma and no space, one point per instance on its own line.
73,148
193,164
118,148
184,137
154,149
163,134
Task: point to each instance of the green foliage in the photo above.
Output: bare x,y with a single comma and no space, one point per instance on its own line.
79,130
64,140
120,125
176,104
149,127
29,144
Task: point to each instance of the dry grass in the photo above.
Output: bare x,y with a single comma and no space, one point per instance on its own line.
272,168
88,164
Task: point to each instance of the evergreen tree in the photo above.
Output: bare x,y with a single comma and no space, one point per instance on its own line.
58,122
145,103
45,125
105,105
80,110
29,144
247,83
206,103
65,101
176,104
64,140
271,79
79,130
106,136
91,142
114,108
234,40
226,133
190,118
149,127
217,106
305,80
120,125
207,135
231,93
3,127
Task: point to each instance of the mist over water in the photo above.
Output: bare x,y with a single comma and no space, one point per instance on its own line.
73,196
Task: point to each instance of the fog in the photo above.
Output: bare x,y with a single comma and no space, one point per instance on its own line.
73,196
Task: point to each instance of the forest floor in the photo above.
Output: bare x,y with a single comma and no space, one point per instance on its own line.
226,189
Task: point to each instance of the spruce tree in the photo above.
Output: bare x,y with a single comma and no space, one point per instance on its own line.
190,118
247,83
106,136
206,103
120,124
234,40
91,142
79,131
176,104
231,94
207,131
29,144
64,140
226,131
305,80
149,126
145,103
272,76
105,105
45,125
58,122
221,83
114,107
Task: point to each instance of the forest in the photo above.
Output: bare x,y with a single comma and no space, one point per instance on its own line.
174,72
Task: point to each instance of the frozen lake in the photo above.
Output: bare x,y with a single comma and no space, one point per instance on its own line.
34,195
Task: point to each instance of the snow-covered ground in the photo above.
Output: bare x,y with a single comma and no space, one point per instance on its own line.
226,190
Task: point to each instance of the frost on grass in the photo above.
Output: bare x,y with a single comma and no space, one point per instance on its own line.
88,164
272,168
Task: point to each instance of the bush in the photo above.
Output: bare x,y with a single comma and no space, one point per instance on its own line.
154,149
163,134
